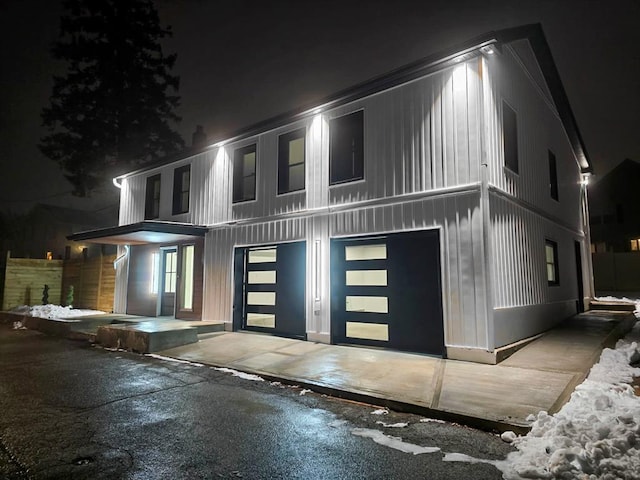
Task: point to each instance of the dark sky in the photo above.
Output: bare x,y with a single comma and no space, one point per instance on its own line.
243,61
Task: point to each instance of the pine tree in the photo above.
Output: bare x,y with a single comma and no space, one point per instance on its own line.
113,110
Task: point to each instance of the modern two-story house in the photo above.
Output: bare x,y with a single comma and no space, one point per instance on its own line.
440,208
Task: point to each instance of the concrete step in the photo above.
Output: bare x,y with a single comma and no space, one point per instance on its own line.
146,337
612,305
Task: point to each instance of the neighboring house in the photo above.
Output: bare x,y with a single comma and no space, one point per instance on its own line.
436,209
42,233
614,210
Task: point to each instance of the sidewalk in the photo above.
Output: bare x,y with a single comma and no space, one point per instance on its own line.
540,376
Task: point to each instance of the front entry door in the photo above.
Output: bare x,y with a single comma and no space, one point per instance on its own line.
168,281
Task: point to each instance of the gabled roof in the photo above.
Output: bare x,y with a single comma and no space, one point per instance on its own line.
462,51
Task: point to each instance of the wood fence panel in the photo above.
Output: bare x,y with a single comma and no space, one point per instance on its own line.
93,282
25,279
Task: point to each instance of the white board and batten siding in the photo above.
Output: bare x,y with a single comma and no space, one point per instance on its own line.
420,139
523,213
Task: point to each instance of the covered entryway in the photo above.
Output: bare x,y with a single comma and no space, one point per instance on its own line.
386,292
270,289
163,266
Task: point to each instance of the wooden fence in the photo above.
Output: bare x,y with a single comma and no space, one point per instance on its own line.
93,282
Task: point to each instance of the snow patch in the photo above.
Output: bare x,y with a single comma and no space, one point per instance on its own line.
393,425
380,411
431,420
304,391
18,326
508,436
392,442
54,311
236,373
174,360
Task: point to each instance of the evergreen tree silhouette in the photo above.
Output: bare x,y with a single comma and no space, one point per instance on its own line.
114,108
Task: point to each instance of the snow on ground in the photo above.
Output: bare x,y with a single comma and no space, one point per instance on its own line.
54,311
236,373
392,442
596,435
175,360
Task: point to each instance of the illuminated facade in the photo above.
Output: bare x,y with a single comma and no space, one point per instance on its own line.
437,209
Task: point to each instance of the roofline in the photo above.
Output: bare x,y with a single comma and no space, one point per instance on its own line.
419,68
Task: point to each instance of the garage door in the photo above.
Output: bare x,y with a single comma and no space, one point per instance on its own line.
270,289
386,292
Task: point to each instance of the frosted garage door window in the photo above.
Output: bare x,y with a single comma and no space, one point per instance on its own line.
261,298
377,278
367,304
262,256
368,331
265,320
365,252
262,277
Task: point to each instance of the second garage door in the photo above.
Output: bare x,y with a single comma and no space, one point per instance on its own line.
386,292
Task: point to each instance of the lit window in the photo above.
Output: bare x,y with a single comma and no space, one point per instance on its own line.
510,137
49,255
152,198
155,267
181,184
244,174
346,148
551,255
553,176
291,161
635,245
170,272
186,299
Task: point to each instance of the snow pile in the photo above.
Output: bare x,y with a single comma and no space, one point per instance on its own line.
54,311
596,435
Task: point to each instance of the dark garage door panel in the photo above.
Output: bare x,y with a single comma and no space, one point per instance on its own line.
413,291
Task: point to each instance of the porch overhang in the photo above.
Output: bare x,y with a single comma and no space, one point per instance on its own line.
141,233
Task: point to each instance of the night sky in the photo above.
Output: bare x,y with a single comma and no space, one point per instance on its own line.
243,61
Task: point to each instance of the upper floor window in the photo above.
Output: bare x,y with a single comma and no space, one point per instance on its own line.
553,176
244,174
291,161
181,184
551,255
510,137
346,148
152,198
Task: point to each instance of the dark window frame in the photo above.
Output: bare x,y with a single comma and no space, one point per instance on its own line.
152,197
510,138
239,176
555,281
346,141
180,200
553,176
284,167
